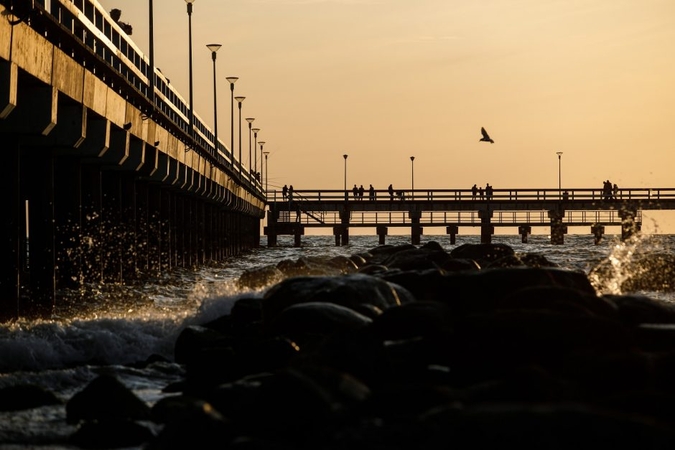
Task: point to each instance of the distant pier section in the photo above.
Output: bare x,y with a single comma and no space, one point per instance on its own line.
104,177
454,209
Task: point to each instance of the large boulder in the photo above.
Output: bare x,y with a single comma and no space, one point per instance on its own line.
363,293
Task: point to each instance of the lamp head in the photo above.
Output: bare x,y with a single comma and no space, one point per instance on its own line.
232,80
255,130
213,47
250,120
239,99
261,143
345,157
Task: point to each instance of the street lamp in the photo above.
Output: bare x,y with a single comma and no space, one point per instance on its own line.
232,80
559,175
255,150
151,69
412,177
345,157
262,143
250,165
189,13
239,101
214,48
266,177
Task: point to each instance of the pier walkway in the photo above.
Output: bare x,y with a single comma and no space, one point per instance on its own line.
107,174
457,208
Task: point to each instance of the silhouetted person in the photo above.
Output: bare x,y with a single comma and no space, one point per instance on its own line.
284,191
486,137
371,193
566,195
290,193
488,191
480,192
391,192
474,192
615,191
361,191
116,14
355,190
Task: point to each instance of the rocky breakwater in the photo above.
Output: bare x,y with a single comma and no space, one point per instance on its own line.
414,347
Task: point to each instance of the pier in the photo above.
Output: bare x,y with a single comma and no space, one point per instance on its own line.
107,176
454,209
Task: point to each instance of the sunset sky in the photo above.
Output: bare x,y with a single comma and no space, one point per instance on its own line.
383,80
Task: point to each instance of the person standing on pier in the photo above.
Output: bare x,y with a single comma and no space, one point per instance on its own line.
290,193
284,191
355,190
371,193
474,191
361,191
391,192
480,192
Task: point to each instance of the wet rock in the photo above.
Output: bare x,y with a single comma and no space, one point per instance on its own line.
190,423
195,338
429,256
483,254
259,277
111,434
310,266
637,309
106,398
16,398
411,320
356,291
316,319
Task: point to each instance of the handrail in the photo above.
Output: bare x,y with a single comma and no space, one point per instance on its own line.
511,195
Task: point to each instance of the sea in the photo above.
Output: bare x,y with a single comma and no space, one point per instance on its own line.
115,329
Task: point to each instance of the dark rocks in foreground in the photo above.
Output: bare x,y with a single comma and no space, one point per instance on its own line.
420,348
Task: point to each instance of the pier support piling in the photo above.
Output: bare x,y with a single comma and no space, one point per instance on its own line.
453,231
486,228
524,231
558,230
598,231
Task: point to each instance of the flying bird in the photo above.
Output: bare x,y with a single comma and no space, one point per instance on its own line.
486,137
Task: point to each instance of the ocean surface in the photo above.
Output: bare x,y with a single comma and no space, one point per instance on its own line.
110,328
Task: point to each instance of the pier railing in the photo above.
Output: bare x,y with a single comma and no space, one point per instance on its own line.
510,195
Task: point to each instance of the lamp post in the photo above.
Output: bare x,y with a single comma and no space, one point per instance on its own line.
232,80
255,150
412,177
262,143
559,175
151,69
266,177
189,13
239,102
250,158
345,157
214,48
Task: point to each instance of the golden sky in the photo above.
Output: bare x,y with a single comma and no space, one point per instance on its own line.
383,80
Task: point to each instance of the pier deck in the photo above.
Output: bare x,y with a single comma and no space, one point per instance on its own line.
455,208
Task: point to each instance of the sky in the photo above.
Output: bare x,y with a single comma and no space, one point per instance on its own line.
384,80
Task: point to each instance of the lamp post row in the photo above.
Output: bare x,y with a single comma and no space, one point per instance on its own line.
213,48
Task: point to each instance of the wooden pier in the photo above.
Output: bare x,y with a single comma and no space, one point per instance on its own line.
453,209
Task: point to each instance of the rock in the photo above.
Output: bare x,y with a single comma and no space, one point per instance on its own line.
483,254
356,291
316,319
16,398
106,399
637,309
190,423
259,277
111,434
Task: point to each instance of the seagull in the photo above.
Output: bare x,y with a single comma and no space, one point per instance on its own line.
486,137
